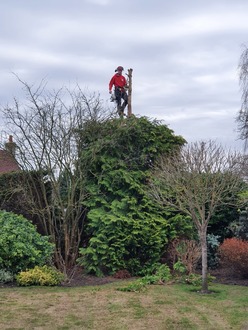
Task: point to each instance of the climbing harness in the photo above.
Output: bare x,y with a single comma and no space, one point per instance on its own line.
121,93
112,97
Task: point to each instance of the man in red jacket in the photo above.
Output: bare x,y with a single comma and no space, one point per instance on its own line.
119,82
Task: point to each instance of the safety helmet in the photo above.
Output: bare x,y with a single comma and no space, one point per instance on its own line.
119,68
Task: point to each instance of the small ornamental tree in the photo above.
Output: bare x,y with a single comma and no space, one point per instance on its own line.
197,180
21,246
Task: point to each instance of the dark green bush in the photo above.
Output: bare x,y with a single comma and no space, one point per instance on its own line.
45,276
121,242
21,246
125,228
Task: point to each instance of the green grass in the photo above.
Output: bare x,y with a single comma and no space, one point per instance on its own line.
103,307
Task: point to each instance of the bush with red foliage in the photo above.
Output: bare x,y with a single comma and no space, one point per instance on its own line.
122,274
234,255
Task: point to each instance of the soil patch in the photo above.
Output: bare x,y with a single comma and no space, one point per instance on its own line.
223,276
84,280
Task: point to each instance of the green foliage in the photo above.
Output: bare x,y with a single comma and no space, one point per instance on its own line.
6,276
129,242
221,220
225,221
182,276
239,228
45,276
135,142
180,225
126,229
21,246
179,267
213,245
161,275
136,286
194,279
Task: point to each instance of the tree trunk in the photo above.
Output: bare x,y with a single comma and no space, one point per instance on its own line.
203,241
129,106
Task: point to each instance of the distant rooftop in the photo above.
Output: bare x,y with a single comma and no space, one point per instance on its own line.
7,158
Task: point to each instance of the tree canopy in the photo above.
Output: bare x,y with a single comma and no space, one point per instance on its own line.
126,228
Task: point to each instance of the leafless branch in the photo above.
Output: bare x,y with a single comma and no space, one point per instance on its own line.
196,181
46,129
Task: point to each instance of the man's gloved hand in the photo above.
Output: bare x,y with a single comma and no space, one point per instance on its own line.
110,92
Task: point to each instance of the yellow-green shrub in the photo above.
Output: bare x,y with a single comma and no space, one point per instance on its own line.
40,276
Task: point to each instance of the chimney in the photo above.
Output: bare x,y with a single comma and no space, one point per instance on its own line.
10,146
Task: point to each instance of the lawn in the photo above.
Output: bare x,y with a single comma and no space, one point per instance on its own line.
103,307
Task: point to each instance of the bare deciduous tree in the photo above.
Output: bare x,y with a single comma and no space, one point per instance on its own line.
196,181
46,129
242,117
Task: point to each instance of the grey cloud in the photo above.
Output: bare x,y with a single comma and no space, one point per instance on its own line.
184,55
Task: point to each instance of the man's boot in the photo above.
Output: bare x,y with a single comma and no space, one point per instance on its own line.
123,108
120,110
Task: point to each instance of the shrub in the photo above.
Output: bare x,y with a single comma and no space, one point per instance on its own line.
161,275
21,246
179,268
213,245
184,253
122,273
126,241
136,286
234,255
239,228
195,279
44,275
6,276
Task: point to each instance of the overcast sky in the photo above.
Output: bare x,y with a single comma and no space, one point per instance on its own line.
184,55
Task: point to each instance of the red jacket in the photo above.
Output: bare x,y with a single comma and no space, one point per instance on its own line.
118,81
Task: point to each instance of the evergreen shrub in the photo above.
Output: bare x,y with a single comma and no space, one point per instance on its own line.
125,229
21,246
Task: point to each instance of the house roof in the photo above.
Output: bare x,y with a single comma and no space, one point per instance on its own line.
7,162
